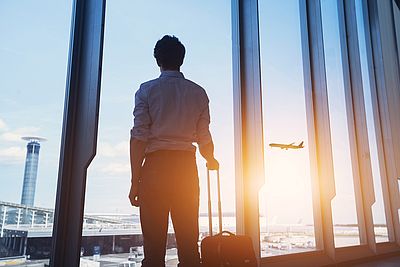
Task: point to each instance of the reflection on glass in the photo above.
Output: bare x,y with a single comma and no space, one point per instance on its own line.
286,215
346,232
112,225
33,53
378,208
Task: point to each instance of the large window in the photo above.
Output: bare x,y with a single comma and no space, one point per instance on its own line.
130,35
286,207
33,64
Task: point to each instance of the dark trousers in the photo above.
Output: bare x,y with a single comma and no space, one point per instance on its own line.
169,185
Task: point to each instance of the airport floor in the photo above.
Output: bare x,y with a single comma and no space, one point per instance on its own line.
388,262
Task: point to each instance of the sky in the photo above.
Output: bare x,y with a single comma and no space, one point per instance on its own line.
287,186
34,51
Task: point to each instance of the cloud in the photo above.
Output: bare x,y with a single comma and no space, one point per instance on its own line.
3,125
115,168
120,149
12,155
15,135
10,51
112,159
12,148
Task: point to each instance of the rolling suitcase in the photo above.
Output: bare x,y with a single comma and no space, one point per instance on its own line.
225,249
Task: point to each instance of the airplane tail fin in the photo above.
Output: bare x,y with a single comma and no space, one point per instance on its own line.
301,144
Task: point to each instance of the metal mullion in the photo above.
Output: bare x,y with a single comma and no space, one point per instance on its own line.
80,123
318,224
377,122
397,3
381,64
357,123
237,113
396,18
249,145
315,85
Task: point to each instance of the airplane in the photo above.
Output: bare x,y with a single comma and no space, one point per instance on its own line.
288,146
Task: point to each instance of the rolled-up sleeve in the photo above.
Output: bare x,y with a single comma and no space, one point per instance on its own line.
203,125
142,119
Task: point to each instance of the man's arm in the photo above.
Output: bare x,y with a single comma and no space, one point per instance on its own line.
138,142
207,151
137,150
204,139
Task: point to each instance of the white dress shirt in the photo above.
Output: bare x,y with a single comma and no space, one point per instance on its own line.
171,113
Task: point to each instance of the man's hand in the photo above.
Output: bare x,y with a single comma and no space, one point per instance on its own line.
137,149
134,194
207,151
213,164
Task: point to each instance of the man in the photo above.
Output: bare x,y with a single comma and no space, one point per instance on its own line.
170,113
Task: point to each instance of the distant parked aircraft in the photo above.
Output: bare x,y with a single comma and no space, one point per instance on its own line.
288,146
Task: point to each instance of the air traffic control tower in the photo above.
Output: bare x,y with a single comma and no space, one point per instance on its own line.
31,167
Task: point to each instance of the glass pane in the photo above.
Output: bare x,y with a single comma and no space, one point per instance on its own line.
113,230
346,232
378,209
286,211
33,53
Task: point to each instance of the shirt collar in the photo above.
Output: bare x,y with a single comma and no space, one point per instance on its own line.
171,73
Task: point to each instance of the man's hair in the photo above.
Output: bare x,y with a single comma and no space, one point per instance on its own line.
169,52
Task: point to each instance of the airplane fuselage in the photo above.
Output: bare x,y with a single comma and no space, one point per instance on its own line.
287,146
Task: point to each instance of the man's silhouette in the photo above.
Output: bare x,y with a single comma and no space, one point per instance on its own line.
170,114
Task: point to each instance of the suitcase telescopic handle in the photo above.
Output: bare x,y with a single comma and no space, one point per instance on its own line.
209,203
